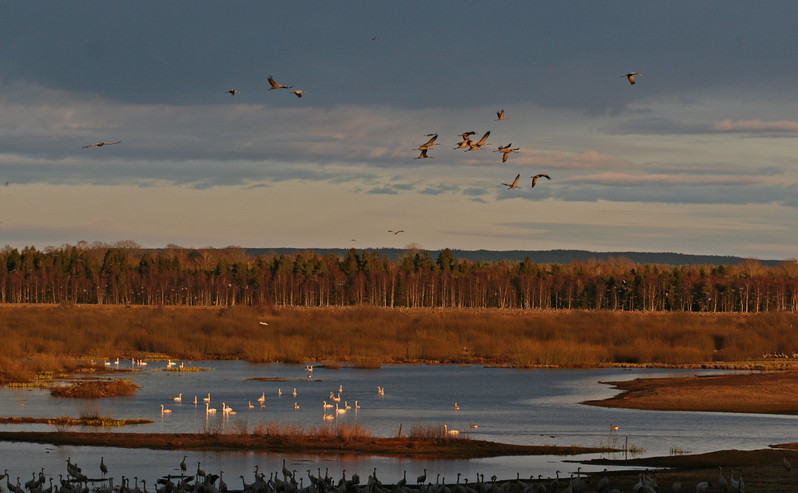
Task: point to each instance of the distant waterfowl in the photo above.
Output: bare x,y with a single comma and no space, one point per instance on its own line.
263,323
506,150
702,486
207,399
164,410
298,93
449,432
535,178
500,115
456,407
179,398
100,144
429,143
514,183
183,464
466,142
396,232
722,483
423,155
275,85
631,76
233,92
103,467
482,142
209,409
249,405
262,397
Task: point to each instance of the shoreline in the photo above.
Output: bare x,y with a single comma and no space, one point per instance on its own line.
450,448
760,393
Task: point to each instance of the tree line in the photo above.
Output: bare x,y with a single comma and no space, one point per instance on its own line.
125,273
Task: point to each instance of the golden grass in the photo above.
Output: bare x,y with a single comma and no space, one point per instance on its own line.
341,431
62,421
367,336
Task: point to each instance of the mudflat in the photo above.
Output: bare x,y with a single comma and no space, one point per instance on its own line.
453,448
774,392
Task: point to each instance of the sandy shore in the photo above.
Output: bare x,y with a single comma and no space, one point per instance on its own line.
766,392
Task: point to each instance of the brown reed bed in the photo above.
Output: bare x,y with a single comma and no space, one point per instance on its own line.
96,389
336,440
62,421
366,336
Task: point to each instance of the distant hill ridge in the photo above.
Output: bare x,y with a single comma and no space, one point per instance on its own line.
537,256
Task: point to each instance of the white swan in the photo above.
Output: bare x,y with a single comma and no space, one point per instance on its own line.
449,432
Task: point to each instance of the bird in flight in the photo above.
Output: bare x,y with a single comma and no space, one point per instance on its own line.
298,93
500,115
100,144
535,178
631,76
275,85
233,92
466,142
506,150
429,143
514,184
423,154
478,145
397,231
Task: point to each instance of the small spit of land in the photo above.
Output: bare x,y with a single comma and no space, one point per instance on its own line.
766,392
98,421
451,448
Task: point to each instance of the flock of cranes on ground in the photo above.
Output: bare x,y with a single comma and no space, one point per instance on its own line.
287,481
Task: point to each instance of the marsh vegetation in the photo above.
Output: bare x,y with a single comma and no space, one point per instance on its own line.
53,338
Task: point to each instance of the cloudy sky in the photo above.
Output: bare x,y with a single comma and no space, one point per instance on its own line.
699,156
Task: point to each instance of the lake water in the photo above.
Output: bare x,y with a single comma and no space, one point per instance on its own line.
529,407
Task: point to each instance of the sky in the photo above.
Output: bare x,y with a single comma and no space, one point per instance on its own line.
699,156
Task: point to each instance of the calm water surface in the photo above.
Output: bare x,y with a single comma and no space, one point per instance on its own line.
530,407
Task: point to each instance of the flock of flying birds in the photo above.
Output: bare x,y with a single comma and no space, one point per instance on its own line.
469,145
466,143
273,85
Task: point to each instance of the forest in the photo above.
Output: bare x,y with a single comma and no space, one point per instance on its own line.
127,274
